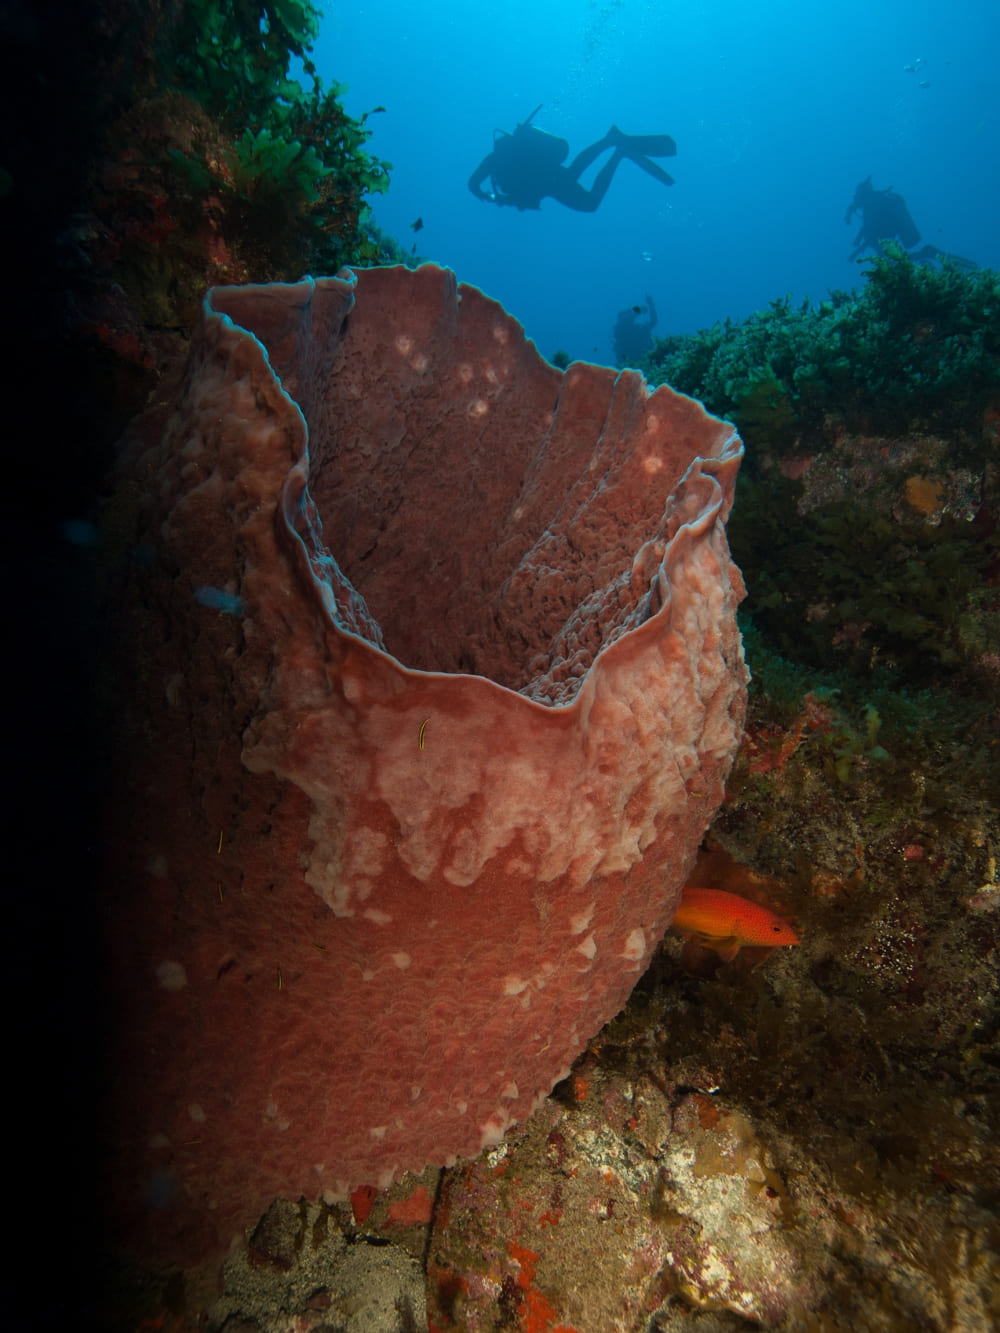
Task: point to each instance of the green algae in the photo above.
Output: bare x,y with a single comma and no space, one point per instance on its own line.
869,784
917,347
223,167
865,525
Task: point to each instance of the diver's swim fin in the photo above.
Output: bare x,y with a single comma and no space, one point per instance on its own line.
966,265
649,145
930,252
655,171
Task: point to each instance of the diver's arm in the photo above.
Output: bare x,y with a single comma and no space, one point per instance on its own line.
860,245
480,174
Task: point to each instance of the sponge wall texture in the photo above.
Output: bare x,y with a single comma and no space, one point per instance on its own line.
429,685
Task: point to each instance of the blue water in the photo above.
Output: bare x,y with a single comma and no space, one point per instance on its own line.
778,111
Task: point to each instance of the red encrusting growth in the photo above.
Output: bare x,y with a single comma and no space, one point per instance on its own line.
416,1209
362,1202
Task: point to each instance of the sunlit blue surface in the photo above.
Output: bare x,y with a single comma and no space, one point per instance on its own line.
778,110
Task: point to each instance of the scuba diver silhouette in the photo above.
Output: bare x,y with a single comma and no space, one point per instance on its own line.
885,217
632,337
526,167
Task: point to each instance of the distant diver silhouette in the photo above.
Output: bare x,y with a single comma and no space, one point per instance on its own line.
885,217
632,339
526,167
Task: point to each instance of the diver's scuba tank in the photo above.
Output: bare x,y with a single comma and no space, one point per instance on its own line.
545,150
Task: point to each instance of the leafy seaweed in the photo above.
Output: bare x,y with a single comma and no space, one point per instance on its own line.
917,347
270,171
233,56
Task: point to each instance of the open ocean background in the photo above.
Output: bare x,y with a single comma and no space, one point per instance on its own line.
778,112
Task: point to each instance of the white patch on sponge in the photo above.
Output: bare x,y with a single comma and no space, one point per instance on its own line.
579,923
635,946
171,975
491,1131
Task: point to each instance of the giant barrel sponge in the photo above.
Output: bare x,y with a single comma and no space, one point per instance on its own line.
429,683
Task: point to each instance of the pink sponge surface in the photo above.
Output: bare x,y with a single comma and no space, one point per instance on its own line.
429,690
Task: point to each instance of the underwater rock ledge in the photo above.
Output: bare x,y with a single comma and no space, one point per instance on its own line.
428,686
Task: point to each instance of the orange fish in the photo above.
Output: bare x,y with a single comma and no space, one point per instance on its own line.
726,922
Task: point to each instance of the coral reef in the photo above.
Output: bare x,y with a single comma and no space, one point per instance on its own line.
916,348
867,525
808,1142
221,166
180,153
